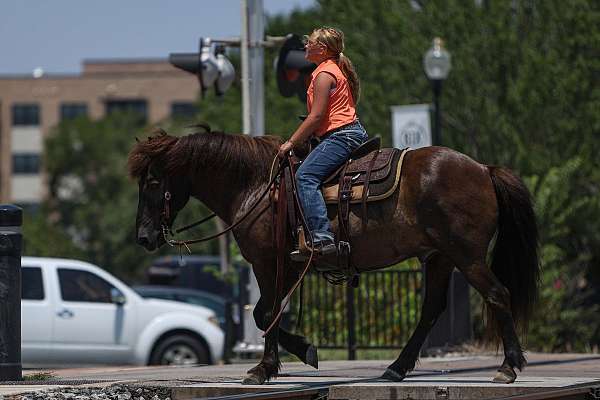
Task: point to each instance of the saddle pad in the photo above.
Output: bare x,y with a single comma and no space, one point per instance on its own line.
378,189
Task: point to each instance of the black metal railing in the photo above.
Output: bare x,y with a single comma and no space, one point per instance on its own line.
382,311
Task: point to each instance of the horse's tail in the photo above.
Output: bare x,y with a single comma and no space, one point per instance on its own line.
515,255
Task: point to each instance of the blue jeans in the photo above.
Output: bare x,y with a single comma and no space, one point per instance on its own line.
330,154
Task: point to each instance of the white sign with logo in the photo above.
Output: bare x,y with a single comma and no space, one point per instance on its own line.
411,126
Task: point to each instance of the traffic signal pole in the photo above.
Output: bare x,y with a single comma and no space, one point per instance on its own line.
245,69
206,67
252,37
252,54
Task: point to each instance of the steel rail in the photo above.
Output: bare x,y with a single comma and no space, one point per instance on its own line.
320,390
584,391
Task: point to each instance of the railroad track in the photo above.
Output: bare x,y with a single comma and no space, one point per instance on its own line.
320,391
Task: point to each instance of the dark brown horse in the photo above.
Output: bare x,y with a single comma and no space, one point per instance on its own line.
447,211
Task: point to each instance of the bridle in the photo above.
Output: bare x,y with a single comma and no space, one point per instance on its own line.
166,214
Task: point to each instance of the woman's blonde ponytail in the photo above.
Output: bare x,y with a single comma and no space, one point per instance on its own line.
348,70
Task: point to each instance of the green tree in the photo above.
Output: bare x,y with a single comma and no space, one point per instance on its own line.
92,202
568,308
522,93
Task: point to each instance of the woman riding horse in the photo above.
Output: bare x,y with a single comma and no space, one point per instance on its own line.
448,211
331,98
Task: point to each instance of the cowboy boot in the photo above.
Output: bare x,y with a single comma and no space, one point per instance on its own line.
323,245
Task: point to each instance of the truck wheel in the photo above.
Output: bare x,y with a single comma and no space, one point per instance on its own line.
179,350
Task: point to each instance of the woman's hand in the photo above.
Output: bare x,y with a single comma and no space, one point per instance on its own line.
285,149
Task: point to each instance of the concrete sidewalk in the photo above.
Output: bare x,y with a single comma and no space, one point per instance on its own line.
459,371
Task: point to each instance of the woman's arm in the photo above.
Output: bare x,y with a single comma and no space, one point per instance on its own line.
323,84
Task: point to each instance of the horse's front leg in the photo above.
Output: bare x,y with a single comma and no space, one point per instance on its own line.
295,344
269,366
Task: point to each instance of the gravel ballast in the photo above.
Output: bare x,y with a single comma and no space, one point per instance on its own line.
113,392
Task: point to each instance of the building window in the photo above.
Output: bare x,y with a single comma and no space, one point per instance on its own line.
32,286
72,110
182,109
26,163
25,114
138,107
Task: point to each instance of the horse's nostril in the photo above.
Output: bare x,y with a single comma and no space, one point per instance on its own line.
143,241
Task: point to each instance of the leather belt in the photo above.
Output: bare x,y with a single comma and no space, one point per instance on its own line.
334,130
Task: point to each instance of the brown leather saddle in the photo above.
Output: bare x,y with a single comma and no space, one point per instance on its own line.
370,174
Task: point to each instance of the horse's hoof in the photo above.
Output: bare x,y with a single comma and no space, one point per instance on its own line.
391,375
252,379
505,376
312,358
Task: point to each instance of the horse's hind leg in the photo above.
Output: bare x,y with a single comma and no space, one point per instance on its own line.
438,270
497,297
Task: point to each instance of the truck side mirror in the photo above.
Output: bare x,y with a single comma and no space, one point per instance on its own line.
117,297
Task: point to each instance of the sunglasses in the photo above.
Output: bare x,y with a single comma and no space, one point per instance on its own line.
307,42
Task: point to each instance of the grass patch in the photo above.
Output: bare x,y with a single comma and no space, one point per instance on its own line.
40,376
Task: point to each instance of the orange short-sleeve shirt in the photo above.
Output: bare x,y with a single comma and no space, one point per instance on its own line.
340,109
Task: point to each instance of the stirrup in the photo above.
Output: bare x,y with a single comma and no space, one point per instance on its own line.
297,255
319,251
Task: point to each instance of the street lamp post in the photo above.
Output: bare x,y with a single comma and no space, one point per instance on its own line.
436,63
451,328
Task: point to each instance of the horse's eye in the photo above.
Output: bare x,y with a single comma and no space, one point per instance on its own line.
153,183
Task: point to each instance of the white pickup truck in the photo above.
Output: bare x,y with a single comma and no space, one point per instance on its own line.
74,312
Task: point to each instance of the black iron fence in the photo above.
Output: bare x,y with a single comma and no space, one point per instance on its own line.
382,311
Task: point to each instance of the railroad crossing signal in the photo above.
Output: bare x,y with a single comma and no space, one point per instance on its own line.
210,65
292,69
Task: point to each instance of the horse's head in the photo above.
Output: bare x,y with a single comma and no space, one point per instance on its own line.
160,199
162,193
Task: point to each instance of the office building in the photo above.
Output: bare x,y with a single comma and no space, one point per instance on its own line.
31,105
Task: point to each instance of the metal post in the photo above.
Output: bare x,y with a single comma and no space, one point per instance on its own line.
224,254
351,320
245,69
11,219
256,33
437,91
252,55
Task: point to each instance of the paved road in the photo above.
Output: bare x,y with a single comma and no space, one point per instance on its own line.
540,364
460,370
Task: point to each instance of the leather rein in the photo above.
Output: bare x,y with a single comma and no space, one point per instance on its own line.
278,308
166,215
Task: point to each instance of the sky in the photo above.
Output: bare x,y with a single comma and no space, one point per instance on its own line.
57,35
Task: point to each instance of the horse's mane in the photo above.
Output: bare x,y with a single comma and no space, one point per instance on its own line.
211,151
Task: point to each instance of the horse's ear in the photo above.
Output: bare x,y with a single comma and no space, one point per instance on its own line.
202,125
205,126
158,131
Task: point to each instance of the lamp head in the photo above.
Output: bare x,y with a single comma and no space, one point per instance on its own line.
436,61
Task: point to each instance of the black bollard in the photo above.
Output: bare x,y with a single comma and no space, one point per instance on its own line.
11,219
